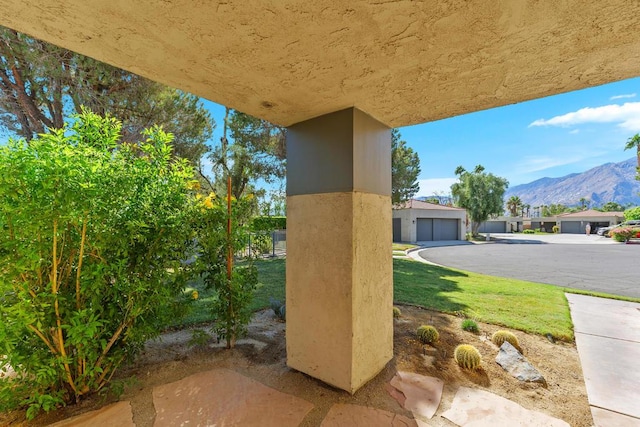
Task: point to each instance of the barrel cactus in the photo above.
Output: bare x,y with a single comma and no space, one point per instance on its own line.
427,334
396,313
467,356
500,337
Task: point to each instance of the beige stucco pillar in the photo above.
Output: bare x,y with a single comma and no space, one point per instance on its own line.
339,265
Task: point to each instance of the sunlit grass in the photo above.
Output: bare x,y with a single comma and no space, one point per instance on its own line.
527,306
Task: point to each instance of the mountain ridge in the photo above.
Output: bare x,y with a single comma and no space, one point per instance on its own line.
609,182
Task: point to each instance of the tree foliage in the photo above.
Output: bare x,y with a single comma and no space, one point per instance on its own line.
93,233
514,204
42,84
634,143
611,207
250,149
554,209
405,169
632,213
480,193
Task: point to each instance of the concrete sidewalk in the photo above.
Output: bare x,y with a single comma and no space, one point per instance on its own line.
608,339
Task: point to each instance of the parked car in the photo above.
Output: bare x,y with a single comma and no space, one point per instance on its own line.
607,230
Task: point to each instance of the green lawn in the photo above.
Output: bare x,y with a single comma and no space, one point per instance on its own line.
527,306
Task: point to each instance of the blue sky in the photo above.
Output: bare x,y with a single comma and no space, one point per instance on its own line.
548,137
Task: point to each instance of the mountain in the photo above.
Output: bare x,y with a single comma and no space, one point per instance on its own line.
611,182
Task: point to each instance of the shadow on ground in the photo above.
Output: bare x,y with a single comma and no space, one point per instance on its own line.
425,285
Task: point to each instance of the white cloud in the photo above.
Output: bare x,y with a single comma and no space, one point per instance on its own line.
573,132
627,116
429,187
626,95
538,163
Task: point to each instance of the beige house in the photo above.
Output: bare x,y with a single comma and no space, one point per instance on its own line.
576,223
417,221
572,223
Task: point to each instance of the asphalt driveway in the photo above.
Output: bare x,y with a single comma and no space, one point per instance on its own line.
609,268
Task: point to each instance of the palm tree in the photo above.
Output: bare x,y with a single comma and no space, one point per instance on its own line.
583,203
634,142
513,205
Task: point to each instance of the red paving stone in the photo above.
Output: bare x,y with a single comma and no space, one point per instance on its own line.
115,415
225,398
343,415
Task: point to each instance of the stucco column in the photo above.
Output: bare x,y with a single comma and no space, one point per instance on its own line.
339,265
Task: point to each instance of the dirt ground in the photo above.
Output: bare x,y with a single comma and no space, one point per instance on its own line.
263,358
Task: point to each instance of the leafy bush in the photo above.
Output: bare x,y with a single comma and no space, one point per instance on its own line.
261,242
528,231
91,248
467,356
624,234
470,325
427,334
555,229
268,223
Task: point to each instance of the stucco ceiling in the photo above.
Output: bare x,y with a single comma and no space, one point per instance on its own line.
403,62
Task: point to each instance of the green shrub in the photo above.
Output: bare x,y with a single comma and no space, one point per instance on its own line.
555,229
90,256
467,356
268,223
396,313
427,334
499,337
261,242
528,231
624,234
470,325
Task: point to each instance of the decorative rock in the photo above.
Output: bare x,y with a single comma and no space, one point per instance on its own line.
517,365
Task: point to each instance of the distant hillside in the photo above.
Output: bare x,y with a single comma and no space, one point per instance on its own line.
611,182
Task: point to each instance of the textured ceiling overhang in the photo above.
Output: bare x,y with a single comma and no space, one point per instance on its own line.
402,62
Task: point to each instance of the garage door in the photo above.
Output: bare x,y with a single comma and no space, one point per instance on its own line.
445,229
397,230
437,229
572,227
424,229
493,227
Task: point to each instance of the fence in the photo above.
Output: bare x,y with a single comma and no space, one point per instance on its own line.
267,244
